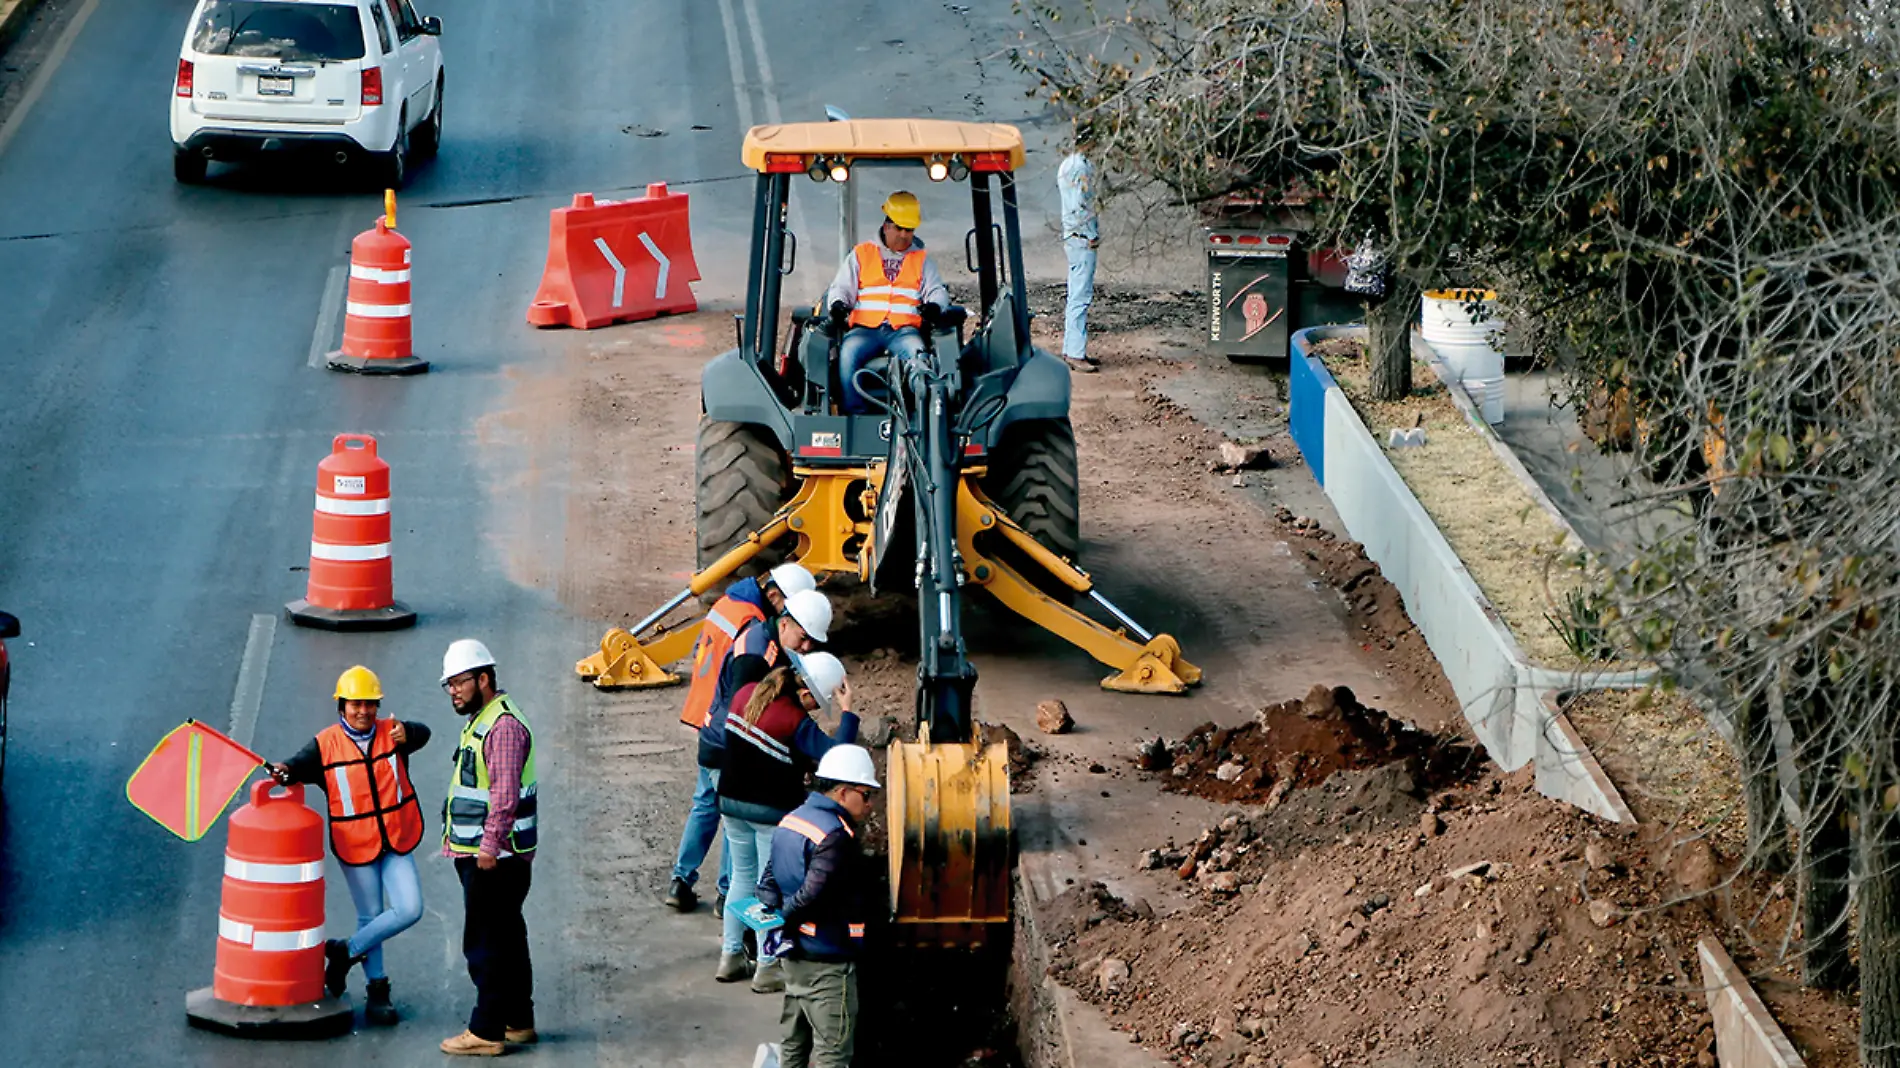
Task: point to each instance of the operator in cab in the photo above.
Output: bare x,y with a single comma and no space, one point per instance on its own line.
885,291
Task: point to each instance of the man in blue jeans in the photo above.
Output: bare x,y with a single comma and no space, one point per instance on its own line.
886,290
1081,236
745,600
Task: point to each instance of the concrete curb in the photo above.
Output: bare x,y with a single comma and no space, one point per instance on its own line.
13,19
1746,1035
1508,701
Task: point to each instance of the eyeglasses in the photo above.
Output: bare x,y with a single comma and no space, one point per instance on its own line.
865,793
451,685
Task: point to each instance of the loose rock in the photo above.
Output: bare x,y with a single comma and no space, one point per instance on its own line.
1052,717
1111,976
1603,912
1229,771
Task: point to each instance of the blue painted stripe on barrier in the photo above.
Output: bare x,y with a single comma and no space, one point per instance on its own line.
1308,381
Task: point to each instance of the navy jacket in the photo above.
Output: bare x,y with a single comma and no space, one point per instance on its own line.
751,641
816,882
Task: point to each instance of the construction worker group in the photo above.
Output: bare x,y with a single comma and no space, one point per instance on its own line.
489,830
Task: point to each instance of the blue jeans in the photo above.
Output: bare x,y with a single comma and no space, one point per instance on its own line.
392,878
702,826
1075,320
863,346
750,847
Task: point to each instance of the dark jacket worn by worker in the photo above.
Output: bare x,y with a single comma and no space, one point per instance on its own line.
763,775
753,655
816,883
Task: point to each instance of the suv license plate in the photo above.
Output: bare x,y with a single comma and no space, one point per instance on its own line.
270,85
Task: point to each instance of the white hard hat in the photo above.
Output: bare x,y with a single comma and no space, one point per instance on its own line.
822,674
811,610
465,654
849,763
792,578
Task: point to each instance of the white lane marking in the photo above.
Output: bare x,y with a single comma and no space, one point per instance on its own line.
48,67
620,269
248,696
736,59
666,267
327,312
767,87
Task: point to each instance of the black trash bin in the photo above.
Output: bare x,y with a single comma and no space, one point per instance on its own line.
1251,276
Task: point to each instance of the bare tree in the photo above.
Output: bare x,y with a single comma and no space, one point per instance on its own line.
1697,201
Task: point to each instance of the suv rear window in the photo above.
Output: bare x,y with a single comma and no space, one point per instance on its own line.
272,29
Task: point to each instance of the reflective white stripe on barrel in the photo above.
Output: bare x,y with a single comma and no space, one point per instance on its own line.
377,311
379,274
268,941
338,506
348,554
251,871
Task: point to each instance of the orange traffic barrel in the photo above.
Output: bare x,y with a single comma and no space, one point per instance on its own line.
352,583
377,335
268,980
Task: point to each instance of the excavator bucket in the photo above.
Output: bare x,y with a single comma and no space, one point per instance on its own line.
947,811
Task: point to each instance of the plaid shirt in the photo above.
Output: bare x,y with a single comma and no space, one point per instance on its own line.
505,748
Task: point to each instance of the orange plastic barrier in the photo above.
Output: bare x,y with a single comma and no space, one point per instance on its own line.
617,261
378,338
269,973
352,585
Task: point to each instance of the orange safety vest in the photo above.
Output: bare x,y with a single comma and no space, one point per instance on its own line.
716,636
373,807
882,300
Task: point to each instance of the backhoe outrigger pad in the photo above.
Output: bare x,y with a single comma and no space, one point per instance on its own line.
1160,669
623,664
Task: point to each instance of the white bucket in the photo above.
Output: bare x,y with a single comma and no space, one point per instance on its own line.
1470,350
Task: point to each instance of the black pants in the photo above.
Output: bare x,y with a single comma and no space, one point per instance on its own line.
495,941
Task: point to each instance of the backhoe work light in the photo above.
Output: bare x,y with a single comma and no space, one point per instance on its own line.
840,170
816,172
959,170
938,169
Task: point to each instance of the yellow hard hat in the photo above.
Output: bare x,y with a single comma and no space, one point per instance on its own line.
359,684
902,209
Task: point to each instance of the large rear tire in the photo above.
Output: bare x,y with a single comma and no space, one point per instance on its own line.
741,478
1032,477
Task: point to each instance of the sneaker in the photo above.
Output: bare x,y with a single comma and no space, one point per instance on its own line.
680,896
470,1044
378,1012
733,968
1083,366
336,966
523,1036
769,978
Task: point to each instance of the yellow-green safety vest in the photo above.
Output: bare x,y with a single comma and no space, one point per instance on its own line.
466,809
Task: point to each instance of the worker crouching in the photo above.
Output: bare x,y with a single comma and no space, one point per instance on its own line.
815,882
362,764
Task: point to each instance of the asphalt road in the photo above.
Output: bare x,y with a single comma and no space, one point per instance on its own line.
162,418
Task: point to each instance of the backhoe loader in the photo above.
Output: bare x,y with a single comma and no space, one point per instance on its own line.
966,478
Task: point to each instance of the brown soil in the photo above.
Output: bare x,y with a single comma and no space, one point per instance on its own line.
1302,743
1360,923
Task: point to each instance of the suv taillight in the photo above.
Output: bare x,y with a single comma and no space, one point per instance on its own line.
183,88
372,86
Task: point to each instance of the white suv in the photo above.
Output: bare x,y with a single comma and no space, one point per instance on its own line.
338,79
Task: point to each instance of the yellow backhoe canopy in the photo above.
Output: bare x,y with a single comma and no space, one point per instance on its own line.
771,148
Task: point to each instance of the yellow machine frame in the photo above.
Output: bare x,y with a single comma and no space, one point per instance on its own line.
830,540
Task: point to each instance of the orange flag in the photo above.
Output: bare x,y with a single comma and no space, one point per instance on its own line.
189,777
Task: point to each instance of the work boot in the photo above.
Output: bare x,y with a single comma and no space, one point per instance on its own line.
769,978
336,966
680,896
470,1044
378,1012
733,967
523,1036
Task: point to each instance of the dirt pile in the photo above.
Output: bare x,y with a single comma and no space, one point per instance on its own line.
1370,921
1022,756
1301,743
